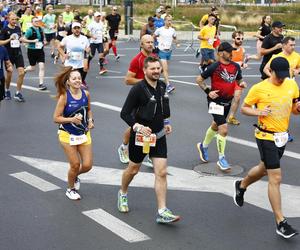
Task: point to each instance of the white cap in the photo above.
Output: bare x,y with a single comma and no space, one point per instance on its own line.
76,24
97,14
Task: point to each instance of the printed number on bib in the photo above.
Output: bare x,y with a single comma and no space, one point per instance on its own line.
78,139
165,46
215,109
77,56
39,45
281,139
14,43
139,140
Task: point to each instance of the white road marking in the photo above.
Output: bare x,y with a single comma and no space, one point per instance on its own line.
178,179
35,181
113,71
30,88
116,226
36,77
188,83
229,138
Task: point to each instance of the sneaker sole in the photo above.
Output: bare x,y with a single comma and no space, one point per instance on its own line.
222,168
18,100
73,199
234,193
200,153
286,236
121,158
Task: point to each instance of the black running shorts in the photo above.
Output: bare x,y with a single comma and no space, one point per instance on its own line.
221,119
36,56
17,60
96,46
269,153
50,36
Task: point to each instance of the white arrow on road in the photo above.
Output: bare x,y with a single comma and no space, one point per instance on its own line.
178,179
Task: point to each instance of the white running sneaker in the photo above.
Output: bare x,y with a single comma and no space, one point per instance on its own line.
72,194
77,184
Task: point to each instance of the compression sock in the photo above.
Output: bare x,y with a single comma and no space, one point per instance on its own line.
221,144
210,134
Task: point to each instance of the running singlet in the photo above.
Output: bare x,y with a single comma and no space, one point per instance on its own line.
238,55
224,78
72,108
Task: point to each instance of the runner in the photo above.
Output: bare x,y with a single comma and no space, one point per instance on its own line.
73,113
275,98
68,15
114,20
26,19
225,75
165,36
148,28
134,75
148,121
77,49
35,51
4,62
50,28
105,36
204,19
11,37
271,45
168,10
61,32
238,56
95,32
89,18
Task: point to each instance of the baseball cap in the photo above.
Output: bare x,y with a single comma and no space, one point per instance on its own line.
278,24
76,24
97,14
225,46
281,67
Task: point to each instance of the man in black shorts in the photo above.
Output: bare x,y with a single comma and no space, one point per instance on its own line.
114,20
11,37
4,64
225,76
275,99
149,97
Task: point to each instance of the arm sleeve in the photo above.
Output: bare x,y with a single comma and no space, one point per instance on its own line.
130,105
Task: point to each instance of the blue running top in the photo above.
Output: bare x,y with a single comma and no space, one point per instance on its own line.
72,108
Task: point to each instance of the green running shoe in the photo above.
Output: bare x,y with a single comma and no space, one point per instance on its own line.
123,202
167,217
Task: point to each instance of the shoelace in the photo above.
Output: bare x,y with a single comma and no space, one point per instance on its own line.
124,200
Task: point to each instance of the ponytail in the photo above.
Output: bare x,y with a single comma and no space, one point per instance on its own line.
61,79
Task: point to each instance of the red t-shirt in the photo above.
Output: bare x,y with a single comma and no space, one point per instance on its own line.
224,78
137,64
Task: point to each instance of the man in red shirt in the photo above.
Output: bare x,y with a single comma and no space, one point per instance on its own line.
134,75
225,76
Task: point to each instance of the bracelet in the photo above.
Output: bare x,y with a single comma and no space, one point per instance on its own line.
207,90
166,121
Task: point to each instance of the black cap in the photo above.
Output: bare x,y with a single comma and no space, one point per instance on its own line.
281,67
278,24
225,46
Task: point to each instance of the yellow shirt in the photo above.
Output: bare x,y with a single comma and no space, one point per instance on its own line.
207,32
280,101
68,18
293,59
26,22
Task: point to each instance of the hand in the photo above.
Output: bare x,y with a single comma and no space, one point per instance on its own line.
36,40
278,46
213,94
244,66
243,85
265,112
178,45
168,129
77,119
91,124
296,72
146,131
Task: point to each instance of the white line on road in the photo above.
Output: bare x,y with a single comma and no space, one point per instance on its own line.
113,71
229,138
116,226
30,88
35,181
37,77
188,83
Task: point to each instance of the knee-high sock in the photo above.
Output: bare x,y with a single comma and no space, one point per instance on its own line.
114,49
221,144
210,134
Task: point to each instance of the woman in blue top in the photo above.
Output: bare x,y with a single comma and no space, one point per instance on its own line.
73,113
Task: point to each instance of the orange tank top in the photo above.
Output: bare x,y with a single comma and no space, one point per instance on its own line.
238,55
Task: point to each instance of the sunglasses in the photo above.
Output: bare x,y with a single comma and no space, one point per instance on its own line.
238,38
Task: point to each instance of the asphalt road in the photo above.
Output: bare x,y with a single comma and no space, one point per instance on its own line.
34,219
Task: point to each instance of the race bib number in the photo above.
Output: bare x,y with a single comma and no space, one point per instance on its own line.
78,139
14,43
281,139
215,109
77,56
39,45
139,140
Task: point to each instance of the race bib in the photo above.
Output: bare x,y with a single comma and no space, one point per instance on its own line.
215,109
165,46
139,140
210,41
281,139
77,56
62,33
39,45
14,43
29,25
78,139
51,26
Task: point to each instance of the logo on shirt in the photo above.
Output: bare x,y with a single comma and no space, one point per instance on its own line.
228,77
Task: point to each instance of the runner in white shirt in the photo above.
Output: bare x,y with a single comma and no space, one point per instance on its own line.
95,32
77,49
165,36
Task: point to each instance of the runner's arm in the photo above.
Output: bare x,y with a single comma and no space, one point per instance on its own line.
130,78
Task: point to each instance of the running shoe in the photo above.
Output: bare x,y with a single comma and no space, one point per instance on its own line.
203,152
123,154
285,230
102,71
149,162
167,217
170,88
72,194
200,69
197,53
7,95
291,138
232,120
223,164
123,202
42,87
52,55
105,62
55,60
19,97
77,184
238,196
117,58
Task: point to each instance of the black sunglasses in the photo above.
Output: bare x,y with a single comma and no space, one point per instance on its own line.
238,38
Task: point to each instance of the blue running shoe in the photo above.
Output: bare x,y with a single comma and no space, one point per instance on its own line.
167,217
19,97
203,152
7,95
223,164
291,138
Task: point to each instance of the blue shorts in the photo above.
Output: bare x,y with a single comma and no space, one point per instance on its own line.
165,54
208,54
